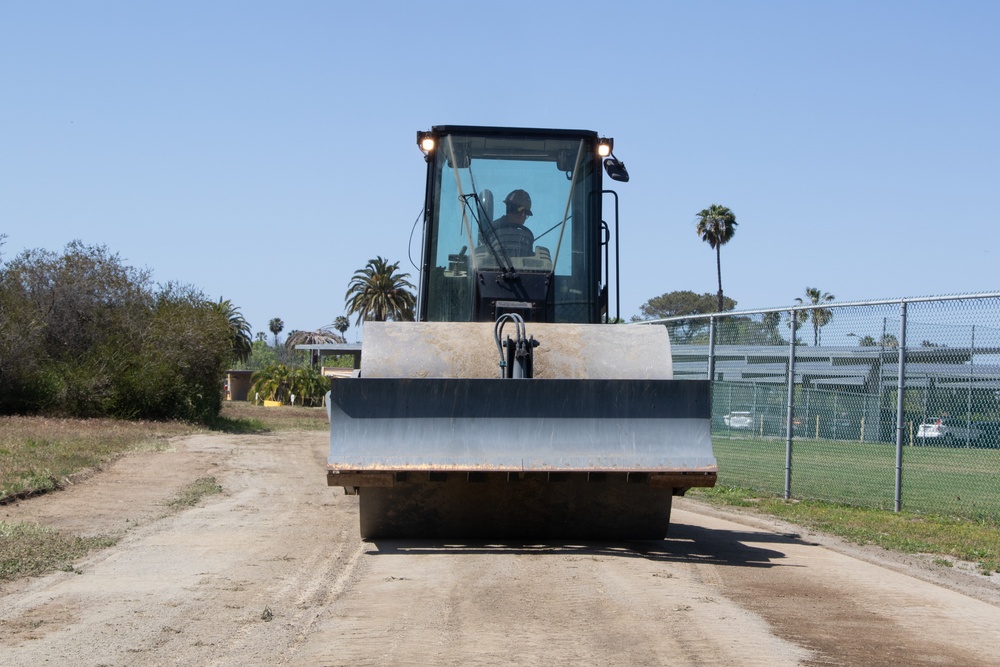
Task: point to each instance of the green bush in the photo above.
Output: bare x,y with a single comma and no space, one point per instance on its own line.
279,382
83,335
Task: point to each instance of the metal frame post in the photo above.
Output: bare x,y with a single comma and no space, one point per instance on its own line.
900,387
972,379
711,349
618,282
789,436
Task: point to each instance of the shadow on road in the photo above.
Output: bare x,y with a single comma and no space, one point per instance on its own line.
684,544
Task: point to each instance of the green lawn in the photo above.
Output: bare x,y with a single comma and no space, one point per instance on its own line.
961,482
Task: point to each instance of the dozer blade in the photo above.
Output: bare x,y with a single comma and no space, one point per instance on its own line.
448,457
519,425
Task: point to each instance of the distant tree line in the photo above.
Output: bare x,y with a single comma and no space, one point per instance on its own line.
734,329
84,335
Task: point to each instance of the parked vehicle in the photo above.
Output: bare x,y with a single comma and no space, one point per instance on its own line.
739,420
948,432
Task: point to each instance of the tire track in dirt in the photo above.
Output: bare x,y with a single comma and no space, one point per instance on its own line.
194,586
439,603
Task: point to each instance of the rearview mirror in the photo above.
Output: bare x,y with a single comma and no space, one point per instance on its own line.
616,169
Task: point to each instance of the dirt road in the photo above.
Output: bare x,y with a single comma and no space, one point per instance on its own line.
272,572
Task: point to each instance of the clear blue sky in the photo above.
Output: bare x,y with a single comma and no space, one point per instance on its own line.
264,151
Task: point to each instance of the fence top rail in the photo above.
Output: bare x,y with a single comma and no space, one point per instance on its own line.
825,306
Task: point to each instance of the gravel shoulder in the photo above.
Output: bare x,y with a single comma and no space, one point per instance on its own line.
272,571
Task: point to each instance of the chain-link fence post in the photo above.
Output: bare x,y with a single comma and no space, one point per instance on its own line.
900,389
790,406
711,349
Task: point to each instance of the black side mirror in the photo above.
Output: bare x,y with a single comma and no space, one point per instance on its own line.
616,169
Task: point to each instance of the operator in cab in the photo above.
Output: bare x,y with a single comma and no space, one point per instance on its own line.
511,233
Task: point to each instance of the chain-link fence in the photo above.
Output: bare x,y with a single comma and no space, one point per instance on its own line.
887,404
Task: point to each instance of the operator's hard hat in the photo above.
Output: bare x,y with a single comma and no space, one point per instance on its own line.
519,200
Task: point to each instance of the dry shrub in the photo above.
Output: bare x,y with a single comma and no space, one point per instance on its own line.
39,454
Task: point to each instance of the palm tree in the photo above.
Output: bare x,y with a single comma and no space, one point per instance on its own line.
276,326
341,324
716,226
260,335
322,336
239,330
379,293
820,316
272,383
308,385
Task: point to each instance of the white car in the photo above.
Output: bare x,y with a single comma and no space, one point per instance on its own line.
739,420
948,431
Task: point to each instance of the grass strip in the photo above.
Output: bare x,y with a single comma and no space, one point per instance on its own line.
31,549
239,425
192,494
906,532
281,418
38,454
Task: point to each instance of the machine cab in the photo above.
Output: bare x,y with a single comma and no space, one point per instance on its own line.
512,224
